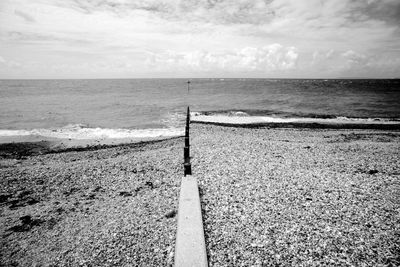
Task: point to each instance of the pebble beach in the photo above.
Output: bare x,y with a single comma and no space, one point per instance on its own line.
299,197
103,207
270,197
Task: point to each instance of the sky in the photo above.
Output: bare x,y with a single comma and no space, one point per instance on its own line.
199,38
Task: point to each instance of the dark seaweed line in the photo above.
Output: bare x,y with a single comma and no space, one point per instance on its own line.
313,125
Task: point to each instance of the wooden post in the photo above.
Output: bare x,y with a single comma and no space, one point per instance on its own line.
186,150
186,141
186,153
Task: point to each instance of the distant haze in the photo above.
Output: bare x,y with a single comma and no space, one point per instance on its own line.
199,38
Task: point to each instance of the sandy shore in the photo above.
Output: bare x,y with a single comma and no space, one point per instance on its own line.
291,197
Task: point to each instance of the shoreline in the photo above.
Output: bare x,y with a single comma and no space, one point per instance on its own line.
271,122
22,147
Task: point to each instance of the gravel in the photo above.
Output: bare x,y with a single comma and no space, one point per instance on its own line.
298,197
107,207
270,197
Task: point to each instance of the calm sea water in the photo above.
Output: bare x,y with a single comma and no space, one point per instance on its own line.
140,104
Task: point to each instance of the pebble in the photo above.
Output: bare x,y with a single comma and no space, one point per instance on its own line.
291,210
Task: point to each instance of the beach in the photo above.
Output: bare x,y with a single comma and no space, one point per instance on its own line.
218,133
299,197
290,197
96,207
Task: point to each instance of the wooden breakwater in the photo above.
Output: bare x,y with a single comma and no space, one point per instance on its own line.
186,150
190,247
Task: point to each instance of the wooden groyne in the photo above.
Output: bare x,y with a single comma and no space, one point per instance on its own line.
186,150
190,248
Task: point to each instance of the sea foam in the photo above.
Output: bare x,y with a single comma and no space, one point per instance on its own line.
81,132
241,119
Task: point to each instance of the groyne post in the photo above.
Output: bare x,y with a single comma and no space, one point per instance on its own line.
186,150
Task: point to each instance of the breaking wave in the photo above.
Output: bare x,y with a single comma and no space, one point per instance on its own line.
81,132
254,117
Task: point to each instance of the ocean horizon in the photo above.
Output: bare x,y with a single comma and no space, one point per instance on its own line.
140,108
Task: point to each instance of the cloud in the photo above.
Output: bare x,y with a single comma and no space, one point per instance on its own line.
381,10
25,16
313,38
43,38
9,63
255,12
338,59
267,58
212,11
354,58
350,63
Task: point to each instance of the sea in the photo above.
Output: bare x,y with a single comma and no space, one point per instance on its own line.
125,108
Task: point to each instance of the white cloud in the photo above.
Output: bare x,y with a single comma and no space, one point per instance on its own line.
267,58
10,63
313,37
24,16
350,63
353,56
